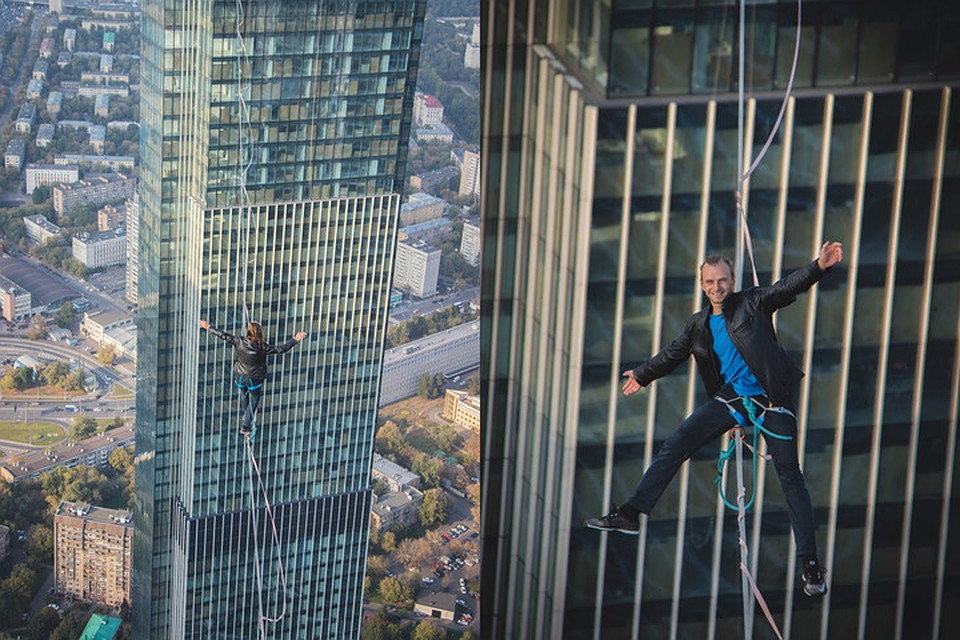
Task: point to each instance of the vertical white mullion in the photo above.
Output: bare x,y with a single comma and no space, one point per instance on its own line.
581,218
518,589
846,350
809,335
955,387
882,363
543,357
656,340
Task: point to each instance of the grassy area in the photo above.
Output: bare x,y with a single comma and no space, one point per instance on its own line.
119,392
421,442
38,433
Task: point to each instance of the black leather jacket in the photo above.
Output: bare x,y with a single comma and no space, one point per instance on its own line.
251,359
749,321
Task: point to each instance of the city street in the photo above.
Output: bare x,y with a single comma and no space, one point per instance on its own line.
427,306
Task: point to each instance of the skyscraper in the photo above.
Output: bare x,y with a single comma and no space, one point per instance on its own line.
609,170
273,145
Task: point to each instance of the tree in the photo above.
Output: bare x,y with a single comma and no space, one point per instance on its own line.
121,459
38,328
40,194
43,624
428,468
389,439
55,372
433,511
426,630
473,493
388,542
380,487
40,543
444,435
66,315
377,565
473,384
380,628
106,354
82,428
73,382
413,551
395,590
430,385
71,627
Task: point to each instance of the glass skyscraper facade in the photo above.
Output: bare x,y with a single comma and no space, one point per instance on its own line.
610,169
273,143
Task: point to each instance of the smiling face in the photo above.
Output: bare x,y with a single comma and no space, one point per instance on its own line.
717,282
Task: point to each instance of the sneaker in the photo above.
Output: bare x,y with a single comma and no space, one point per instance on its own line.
615,521
812,577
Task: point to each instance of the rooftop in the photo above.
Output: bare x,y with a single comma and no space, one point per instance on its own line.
45,287
93,513
434,340
35,462
100,628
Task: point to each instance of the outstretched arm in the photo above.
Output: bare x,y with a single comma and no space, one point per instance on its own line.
785,291
289,344
830,254
220,334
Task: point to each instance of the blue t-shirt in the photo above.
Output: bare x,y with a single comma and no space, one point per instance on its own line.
733,367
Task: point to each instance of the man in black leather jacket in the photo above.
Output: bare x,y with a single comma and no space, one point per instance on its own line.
251,366
740,361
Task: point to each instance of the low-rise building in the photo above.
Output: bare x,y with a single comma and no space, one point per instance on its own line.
34,288
424,230
91,90
64,58
396,509
106,64
39,229
44,174
98,137
435,181
397,478
15,153
462,409
449,352
101,106
439,133
40,70
25,117
93,553
15,302
436,604
421,207
100,249
69,39
101,628
45,133
104,78
112,328
427,110
91,452
471,55
113,163
34,88
46,47
54,102
110,218
417,268
109,39
94,190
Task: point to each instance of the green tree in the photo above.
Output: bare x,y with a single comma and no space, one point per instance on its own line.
377,565
428,468
395,590
66,315
389,439
40,194
473,384
380,487
433,511
426,630
121,459
379,627
82,427
430,386
70,627
40,543
41,626
444,435
74,381
55,372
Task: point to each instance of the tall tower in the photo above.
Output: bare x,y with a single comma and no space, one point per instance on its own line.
609,171
273,144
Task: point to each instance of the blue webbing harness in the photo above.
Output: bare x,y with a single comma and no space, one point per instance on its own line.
750,404
249,385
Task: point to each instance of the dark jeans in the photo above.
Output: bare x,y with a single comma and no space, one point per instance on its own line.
250,393
708,422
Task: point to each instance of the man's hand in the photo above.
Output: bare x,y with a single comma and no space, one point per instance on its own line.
830,254
204,325
300,336
631,386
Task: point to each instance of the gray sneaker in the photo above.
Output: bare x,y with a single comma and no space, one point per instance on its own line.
813,583
614,521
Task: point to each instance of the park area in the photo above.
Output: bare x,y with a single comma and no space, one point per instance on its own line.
35,433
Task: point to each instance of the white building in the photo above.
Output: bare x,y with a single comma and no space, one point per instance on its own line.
43,174
34,88
427,110
397,478
112,328
69,39
471,57
470,243
100,249
449,352
106,63
25,117
39,229
470,173
439,133
421,207
417,269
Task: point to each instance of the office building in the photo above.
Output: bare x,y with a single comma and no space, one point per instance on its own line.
100,248
417,269
462,409
39,175
421,207
92,553
609,172
39,229
285,205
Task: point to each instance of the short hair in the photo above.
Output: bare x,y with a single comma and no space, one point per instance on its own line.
714,260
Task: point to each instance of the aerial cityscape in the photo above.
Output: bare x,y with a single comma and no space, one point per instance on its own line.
325,180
